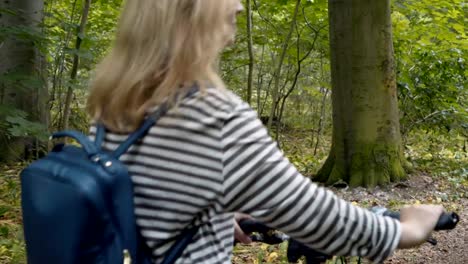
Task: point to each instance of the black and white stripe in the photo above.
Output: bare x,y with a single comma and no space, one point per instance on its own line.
210,157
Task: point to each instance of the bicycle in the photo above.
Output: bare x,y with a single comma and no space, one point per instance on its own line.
260,232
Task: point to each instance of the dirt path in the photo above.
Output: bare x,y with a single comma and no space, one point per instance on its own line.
452,247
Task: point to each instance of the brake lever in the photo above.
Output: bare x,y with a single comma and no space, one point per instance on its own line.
432,241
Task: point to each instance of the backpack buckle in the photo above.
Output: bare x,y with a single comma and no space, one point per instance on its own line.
127,259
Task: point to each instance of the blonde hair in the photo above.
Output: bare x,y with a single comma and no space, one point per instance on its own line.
161,47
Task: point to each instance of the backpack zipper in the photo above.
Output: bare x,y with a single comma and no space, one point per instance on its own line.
127,258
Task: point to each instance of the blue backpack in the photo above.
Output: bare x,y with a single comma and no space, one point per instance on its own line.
77,205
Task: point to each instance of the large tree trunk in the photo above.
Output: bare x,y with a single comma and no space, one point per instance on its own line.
366,147
20,57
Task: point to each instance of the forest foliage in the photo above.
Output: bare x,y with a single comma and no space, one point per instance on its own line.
430,42
430,50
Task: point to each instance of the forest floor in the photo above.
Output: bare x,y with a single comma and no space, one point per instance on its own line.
440,176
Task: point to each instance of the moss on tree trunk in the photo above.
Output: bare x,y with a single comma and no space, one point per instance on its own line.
370,165
366,146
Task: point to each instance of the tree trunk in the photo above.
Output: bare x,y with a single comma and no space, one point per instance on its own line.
59,69
325,92
366,146
20,57
260,81
279,66
321,118
251,52
76,62
299,62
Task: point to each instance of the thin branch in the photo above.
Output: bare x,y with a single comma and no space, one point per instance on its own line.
264,18
316,31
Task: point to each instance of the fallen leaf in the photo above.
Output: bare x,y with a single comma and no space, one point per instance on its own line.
272,257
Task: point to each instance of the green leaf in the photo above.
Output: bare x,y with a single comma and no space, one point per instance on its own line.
3,211
4,230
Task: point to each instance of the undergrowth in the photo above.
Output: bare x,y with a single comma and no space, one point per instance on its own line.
441,157
11,235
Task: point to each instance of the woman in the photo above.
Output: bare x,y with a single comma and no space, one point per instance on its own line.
210,156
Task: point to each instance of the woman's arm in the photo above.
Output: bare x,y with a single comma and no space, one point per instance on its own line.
260,181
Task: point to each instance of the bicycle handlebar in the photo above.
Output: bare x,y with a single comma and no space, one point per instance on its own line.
296,250
446,221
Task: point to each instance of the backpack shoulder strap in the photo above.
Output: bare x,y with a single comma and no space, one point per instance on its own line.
100,132
147,124
140,132
178,248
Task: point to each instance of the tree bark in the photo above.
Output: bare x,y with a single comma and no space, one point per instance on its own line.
251,52
59,69
21,56
366,145
76,62
321,118
260,81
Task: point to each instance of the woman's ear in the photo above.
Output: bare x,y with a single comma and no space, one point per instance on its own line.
240,8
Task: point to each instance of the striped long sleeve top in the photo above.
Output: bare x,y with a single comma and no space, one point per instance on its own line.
210,157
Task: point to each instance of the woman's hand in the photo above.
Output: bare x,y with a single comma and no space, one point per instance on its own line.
239,235
417,223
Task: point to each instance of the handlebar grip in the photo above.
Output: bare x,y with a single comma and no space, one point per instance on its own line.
392,214
446,221
250,225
